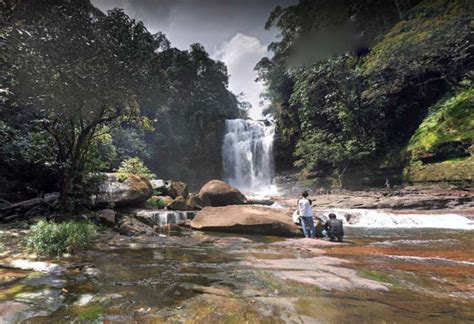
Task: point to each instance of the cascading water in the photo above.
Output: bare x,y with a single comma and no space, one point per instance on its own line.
372,218
248,155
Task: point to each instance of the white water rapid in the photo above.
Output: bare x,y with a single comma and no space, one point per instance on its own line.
248,155
372,218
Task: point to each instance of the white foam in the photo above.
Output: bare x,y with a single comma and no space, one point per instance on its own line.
373,218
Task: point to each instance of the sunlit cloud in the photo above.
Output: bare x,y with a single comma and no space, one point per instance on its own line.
240,54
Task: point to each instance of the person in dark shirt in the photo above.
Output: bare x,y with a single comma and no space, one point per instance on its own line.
334,228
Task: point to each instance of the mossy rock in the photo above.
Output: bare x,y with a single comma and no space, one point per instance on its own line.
447,132
458,171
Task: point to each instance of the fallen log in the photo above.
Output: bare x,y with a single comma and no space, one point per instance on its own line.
24,209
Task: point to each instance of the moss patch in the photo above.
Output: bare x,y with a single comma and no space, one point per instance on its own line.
11,292
458,170
89,312
430,24
450,121
378,276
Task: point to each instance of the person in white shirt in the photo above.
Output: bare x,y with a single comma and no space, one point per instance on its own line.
306,215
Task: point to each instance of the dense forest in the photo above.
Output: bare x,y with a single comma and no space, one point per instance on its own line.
356,88
366,87
81,91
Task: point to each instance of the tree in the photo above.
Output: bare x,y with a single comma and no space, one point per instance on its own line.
77,80
401,57
340,126
188,99
134,166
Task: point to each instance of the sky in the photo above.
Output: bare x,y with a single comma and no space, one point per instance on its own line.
232,31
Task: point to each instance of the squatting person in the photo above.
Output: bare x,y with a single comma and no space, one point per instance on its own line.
334,228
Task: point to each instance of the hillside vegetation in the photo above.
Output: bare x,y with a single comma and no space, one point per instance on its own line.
82,90
396,91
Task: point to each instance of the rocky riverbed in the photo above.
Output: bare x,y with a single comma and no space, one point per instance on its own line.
415,275
407,199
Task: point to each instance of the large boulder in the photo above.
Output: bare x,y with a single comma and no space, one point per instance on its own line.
247,219
220,193
115,191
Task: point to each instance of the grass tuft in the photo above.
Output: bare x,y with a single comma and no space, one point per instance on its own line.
55,239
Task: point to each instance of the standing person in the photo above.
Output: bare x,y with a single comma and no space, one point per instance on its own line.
306,215
334,228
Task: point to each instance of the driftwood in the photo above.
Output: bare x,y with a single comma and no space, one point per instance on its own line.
24,209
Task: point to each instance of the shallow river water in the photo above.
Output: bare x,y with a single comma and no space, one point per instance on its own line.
206,278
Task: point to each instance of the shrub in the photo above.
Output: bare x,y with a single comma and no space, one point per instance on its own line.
156,203
135,166
54,239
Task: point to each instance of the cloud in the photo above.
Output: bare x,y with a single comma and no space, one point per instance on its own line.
209,22
240,54
231,31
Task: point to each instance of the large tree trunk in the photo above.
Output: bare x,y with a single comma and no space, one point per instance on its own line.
65,192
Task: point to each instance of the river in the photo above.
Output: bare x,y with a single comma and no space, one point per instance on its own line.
205,278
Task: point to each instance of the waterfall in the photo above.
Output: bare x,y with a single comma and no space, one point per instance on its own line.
248,155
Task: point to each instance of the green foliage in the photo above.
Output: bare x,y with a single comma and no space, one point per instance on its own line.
325,149
450,120
82,90
336,119
156,203
430,25
90,313
128,142
54,239
135,166
68,69
343,103
34,147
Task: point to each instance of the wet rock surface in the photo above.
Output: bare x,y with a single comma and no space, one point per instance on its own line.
12,311
395,200
327,273
246,219
392,275
108,217
131,226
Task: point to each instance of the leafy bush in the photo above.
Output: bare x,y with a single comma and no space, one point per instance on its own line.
135,166
54,239
156,203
